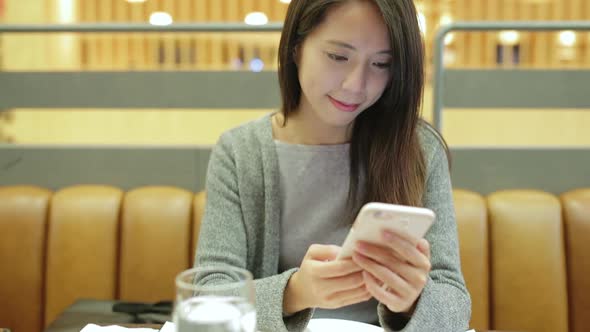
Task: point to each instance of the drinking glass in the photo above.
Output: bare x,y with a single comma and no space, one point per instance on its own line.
215,299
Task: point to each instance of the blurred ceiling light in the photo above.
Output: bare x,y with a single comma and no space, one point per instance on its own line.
422,22
449,57
66,12
509,37
256,65
136,1
285,1
449,38
567,38
256,18
447,19
160,18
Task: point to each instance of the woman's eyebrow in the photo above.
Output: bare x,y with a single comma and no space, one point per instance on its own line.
346,45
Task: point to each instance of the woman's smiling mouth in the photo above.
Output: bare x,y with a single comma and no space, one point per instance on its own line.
343,106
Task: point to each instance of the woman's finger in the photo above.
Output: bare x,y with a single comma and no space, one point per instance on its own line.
343,283
424,247
334,269
384,256
407,250
384,275
380,254
348,297
388,297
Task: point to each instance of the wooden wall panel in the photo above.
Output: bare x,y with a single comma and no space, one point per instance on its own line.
233,44
168,40
460,37
121,51
477,47
217,61
201,40
91,39
184,39
525,10
554,15
543,41
220,51
136,44
150,39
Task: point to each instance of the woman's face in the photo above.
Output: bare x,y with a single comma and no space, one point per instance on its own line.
344,64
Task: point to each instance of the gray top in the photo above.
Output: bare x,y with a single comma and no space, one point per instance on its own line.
314,181
241,227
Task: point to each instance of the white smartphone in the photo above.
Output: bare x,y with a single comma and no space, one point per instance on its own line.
374,218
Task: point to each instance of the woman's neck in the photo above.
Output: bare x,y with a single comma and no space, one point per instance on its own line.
301,128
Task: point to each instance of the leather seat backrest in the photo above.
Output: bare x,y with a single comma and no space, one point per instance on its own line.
23,220
528,266
472,223
82,247
155,242
576,211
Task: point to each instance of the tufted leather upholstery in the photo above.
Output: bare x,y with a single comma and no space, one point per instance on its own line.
82,247
522,252
529,290
576,213
23,222
155,238
472,223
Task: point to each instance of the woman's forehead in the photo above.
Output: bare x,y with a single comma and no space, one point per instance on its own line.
357,23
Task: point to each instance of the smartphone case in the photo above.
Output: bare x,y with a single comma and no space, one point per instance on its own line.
374,218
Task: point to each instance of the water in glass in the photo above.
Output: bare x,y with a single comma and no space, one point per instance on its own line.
215,314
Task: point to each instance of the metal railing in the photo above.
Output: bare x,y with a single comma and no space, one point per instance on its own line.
438,79
438,85
171,89
140,27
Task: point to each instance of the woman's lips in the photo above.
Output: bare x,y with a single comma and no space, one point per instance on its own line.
343,106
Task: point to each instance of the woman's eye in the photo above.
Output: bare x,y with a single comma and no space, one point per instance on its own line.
382,65
336,57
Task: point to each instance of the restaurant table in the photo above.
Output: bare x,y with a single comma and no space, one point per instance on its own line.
99,312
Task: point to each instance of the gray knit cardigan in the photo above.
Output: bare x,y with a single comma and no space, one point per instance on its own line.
241,227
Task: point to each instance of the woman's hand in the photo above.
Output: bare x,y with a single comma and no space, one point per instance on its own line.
324,282
395,275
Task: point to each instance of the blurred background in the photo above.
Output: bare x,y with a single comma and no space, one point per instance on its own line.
255,52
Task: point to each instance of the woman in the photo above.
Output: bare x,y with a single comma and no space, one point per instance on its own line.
283,190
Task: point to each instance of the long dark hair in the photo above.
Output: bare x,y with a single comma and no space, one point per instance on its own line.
386,160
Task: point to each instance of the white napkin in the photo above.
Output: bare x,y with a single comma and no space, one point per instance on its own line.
168,327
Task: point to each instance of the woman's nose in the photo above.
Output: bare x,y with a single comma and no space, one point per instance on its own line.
356,80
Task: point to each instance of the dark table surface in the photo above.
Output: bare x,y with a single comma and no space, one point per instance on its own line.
99,312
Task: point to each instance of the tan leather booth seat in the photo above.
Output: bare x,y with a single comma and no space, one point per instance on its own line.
155,242
576,213
23,222
472,223
529,289
522,252
82,248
